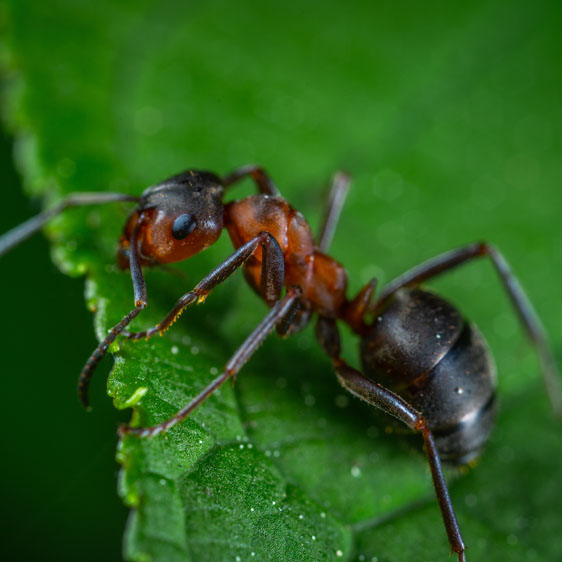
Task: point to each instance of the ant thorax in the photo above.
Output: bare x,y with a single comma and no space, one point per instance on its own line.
322,279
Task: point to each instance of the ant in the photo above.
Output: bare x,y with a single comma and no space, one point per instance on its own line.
423,363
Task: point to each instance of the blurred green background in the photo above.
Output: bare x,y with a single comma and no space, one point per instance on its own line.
58,472
448,116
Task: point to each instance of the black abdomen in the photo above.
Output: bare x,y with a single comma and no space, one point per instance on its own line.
421,348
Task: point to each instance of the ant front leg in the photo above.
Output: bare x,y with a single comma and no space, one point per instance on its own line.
281,314
271,283
258,174
272,277
22,232
525,310
139,287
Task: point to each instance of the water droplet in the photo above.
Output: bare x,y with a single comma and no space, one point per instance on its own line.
323,515
459,390
355,471
175,350
339,553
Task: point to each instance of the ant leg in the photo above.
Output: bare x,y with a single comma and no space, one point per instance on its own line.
257,173
272,277
139,287
357,383
22,232
382,398
281,312
517,295
356,310
336,201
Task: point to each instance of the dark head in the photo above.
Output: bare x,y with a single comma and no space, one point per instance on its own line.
177,219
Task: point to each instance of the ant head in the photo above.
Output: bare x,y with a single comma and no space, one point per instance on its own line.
177,219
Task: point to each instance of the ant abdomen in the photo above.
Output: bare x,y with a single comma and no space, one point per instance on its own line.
421,348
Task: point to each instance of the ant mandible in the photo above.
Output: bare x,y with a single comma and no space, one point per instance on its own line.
437,372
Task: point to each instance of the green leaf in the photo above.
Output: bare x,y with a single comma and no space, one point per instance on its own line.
447,119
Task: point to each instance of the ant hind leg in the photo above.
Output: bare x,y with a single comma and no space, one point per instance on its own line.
525,310
357,383
384,399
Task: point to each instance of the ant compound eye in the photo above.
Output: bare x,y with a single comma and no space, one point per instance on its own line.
183,226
